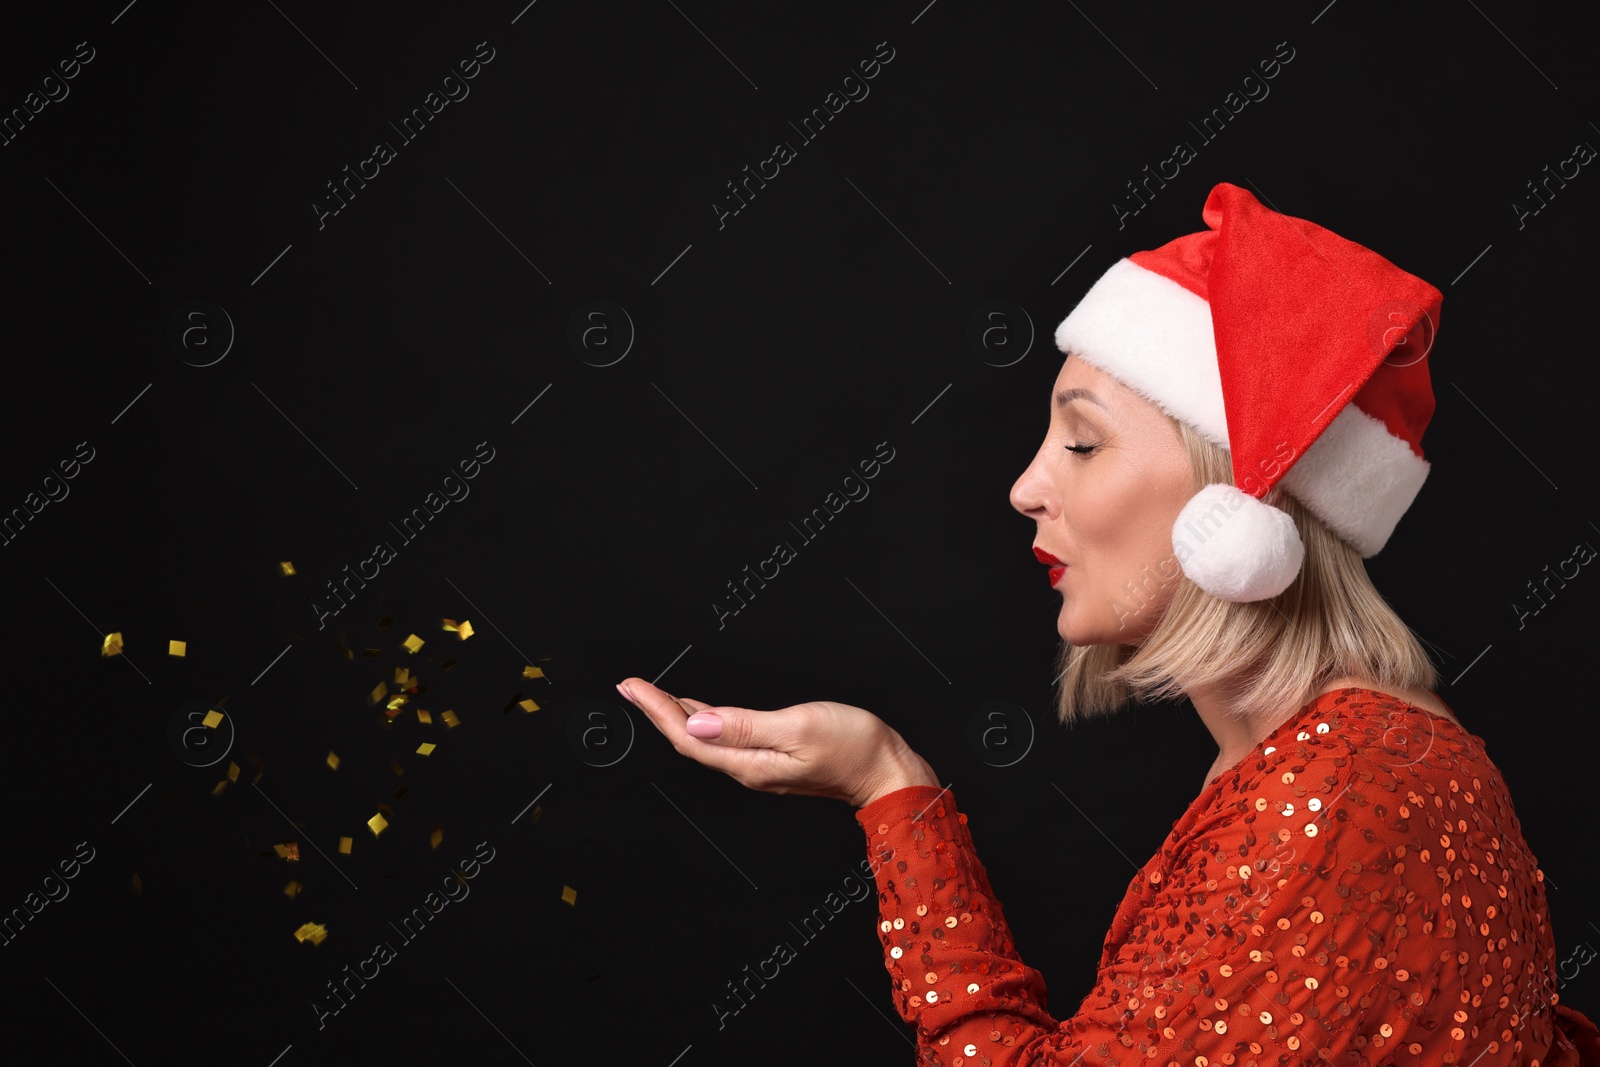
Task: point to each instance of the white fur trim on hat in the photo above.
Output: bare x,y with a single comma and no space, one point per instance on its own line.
1358,478
1155,337
1234,546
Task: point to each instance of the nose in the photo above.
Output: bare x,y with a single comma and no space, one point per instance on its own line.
1030,492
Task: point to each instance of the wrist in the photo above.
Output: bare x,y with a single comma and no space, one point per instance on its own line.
904,768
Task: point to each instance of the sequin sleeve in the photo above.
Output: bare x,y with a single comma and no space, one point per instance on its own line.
1327,907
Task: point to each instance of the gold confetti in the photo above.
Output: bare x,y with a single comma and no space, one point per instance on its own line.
333,759
536,813
312,932
426,748
344,845
532,672
289,850
451,718
376,824
220,786
570,895
385,622
437,835
424,715
398,793
403,678
528,705
112,645
395,766
447,664
177,648
462,628
287,568
397,700
377,694
413,643
233,771
292,890
213,717
372,651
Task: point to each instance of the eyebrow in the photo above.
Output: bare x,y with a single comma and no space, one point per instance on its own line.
1066,396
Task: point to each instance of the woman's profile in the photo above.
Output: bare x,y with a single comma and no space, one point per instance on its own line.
1236,425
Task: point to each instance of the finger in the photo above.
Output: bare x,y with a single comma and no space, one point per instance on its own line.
664,713
742,729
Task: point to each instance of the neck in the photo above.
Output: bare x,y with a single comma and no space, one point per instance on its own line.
1235,736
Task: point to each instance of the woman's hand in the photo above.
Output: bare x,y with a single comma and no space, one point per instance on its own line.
818,749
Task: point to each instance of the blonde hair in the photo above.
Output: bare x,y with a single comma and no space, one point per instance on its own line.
1268,658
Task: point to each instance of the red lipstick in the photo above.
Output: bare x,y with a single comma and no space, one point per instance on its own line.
1057,568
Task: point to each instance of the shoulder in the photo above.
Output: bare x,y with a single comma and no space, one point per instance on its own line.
1351,784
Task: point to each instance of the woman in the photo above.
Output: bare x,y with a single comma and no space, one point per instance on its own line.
1236,425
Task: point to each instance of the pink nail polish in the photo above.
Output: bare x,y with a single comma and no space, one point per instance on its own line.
704,724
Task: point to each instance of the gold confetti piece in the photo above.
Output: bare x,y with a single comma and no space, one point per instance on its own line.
570,895
536,813
344,845
376,824
177,648
333,759
413,643
447,664
395,766
338,646
385,622
217,792
532,672
391,712
387,810
233,771
424,715
398,793
138,886
287,568
213,717
289,850
292,890
426,748
462,628
528,705
112,645
372,651
312,932
437,835
451,718
378,693
403,677
397,700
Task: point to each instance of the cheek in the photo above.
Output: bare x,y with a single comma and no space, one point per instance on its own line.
1124,529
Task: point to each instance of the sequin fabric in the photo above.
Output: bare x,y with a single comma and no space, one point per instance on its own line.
1356,891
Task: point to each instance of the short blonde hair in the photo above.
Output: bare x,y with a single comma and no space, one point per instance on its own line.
1269,657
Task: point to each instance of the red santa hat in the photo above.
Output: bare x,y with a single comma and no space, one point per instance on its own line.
1300,352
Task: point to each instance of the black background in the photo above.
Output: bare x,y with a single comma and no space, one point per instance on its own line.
769,356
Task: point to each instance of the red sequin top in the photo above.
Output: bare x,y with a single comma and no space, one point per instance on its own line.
1356,891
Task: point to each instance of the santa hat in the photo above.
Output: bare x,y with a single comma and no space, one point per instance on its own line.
1300,352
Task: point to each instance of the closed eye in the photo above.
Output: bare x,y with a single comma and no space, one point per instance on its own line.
1081,450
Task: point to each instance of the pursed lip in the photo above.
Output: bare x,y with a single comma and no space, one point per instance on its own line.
1044,557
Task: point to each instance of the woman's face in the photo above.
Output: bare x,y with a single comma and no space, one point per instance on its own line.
1106,512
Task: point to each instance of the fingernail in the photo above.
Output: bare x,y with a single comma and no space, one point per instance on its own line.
704,724
626,695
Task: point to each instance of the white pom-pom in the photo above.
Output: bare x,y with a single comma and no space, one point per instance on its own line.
1234,546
